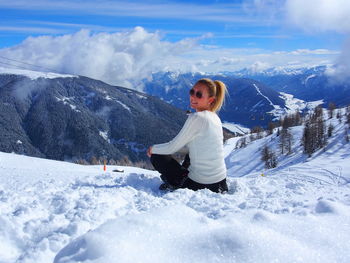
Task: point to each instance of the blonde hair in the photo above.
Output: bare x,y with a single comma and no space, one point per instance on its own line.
217,89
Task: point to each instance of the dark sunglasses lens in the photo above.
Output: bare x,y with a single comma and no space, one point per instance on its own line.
198,93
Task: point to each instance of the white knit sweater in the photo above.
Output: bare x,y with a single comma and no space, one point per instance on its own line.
203,138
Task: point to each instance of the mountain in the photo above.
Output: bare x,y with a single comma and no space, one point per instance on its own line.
73,117
309,84
249,102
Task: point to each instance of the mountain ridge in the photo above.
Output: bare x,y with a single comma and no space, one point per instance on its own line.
249,102
74,118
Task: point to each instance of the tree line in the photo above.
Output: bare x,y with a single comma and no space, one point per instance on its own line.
315,132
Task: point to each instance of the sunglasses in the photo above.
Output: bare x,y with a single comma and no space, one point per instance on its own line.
198,94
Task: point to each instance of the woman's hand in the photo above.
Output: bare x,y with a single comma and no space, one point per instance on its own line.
149,151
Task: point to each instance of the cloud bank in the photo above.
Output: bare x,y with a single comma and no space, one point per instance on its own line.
125,58
118,58
318,16
340,72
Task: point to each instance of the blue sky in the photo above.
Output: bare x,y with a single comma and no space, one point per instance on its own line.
245,33
232,23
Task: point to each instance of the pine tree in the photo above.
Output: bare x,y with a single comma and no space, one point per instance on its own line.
318,112
268,157
321,138
330,130
270,127
265,153
314,132
258,130
291,120
297,119
94,161
278,132
307,139
242,143
112,162
286,141
339,114
331,108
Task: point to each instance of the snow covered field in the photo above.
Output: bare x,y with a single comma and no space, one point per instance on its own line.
59,212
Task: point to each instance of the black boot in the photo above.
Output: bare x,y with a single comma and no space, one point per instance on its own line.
173,185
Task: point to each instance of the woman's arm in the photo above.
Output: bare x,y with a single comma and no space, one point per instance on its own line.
193,125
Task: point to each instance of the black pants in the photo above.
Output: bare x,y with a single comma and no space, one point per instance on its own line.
175,174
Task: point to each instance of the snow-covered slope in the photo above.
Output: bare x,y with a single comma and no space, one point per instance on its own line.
34,74
236,128
61,212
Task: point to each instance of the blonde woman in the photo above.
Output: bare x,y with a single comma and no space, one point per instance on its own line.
202,138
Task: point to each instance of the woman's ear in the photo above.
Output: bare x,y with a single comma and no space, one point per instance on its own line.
211,100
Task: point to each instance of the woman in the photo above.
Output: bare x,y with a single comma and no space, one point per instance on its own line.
202,138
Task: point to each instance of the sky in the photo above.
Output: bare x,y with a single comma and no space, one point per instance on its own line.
123,42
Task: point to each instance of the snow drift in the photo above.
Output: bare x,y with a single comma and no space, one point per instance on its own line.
61,212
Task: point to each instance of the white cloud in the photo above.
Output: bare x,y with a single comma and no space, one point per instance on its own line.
340,72
320,15
258,66
308,52
219,59
314,52
313,16
226,61
125,58
119,58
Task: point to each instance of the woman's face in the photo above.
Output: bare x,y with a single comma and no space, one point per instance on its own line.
202,103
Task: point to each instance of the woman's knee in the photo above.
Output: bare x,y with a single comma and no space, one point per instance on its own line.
157,159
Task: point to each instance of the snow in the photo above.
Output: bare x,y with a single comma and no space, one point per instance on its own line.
309,77
236,128
123,105
53,211
34,74
267,98
104,135
66,101
314,104
140,96
282,70
107,97
294,104
277,110
291,104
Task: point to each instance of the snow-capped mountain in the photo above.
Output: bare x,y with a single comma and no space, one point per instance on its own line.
67,117
274,71
53,211
249,103
308,84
